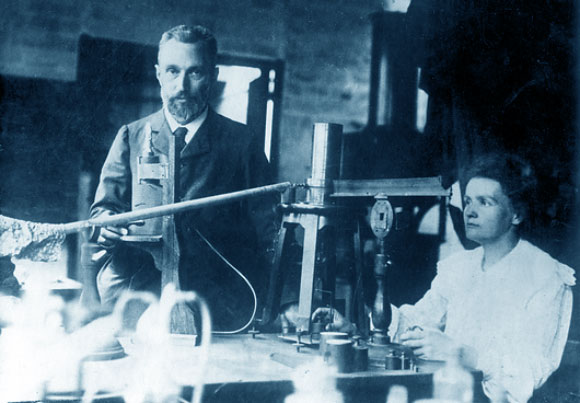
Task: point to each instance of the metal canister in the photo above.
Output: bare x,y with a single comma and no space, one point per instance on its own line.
405,361
147,190
316,329
395,360
361,358
326,156
326,336
340,353
392,361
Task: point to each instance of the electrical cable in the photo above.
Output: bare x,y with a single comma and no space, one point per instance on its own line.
227,262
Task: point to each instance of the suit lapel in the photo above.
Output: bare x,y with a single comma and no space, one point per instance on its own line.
160,132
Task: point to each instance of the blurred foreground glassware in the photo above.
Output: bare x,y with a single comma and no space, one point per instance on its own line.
27,353
453,381
161,362
40,361
314,382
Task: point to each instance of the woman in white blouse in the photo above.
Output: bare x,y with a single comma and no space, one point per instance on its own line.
506,305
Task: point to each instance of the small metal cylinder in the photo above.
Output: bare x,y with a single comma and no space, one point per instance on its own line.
361,358
325,336
326,146
392,362
317,328
340,353
395,361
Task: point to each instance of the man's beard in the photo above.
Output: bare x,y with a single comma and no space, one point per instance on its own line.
185,108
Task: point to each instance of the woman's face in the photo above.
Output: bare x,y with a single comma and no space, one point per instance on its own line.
488,212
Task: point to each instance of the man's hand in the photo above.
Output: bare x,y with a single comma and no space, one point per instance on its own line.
289,317
429,343
109,236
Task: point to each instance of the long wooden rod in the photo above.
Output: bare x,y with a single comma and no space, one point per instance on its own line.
169,209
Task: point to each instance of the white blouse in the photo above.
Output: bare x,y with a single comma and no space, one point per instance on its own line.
515,314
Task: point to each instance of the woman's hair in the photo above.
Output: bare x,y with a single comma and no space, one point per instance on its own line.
515,175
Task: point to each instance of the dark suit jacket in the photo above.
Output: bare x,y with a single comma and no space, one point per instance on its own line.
223,156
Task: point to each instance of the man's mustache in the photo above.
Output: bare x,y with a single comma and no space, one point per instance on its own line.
182,96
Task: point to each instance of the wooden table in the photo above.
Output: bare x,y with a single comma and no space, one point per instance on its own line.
243,369
246,369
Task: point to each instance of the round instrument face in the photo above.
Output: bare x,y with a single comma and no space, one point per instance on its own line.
381,218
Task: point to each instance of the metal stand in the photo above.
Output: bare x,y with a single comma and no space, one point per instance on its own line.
381,223
319,217
320,224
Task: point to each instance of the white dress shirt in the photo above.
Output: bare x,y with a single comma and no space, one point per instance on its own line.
192,127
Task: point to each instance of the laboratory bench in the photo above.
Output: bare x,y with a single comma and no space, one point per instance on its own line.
260,368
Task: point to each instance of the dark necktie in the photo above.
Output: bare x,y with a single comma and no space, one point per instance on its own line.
179,134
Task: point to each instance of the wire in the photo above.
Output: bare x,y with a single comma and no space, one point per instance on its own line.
227,262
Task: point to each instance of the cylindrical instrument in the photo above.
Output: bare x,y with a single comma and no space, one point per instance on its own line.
325,336
147,191
361,358
326,146
340,353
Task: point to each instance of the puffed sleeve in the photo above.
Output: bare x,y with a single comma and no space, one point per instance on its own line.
532,349
430,311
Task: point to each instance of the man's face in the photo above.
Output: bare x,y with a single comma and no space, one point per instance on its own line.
186,76
488,212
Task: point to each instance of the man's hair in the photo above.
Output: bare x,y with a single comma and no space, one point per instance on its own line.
515,175
193,34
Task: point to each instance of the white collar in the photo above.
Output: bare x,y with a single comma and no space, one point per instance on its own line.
192,127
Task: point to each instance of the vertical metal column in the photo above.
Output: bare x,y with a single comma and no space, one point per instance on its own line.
326,145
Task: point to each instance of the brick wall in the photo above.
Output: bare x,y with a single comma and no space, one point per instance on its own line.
325,44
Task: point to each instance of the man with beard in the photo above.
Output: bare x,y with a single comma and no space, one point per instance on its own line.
219,156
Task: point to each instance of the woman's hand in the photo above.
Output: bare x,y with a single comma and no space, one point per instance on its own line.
429,343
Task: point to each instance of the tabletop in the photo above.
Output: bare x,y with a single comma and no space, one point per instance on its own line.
242,368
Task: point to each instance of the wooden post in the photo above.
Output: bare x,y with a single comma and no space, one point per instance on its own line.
182,317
